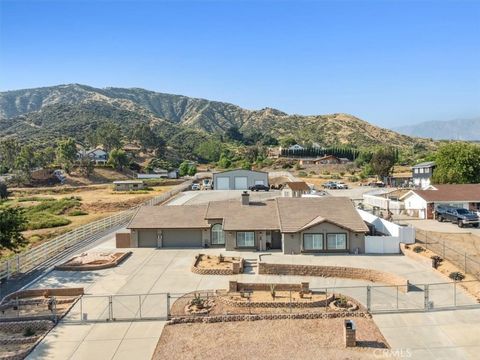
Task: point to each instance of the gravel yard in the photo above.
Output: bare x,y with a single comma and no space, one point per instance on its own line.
269,339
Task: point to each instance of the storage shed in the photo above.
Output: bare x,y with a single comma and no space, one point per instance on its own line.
239,179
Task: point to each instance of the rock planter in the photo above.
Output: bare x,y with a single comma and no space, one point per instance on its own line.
217,265
343,305
199,306
93,261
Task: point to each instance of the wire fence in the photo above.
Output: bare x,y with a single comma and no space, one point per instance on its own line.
30,259
458,257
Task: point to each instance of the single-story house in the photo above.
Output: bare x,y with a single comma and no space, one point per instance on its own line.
422,174
422,203
128,185
295,189
295,147
239,179
294,225
328,159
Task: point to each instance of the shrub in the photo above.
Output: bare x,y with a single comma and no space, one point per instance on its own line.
326,172
44,220
272,291
302,174
221,258
335,176
342,173
77,213
28,332
353,179
312,173
456,276
418,249
341,301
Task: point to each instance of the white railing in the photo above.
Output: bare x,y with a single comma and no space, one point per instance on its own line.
30,259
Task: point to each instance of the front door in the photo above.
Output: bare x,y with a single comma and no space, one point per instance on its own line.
276,240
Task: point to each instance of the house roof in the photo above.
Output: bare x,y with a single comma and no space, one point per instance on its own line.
255,216
170,217
128,182
449,193
284,214
298,185
296,214
245,170
424,165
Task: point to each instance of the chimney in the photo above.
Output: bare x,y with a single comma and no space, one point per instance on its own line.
245,198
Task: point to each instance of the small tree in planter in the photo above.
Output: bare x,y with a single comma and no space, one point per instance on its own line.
456,276
221,258
418,249
272,291
198,301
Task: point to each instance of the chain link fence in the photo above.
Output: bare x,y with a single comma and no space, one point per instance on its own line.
38,255
458,257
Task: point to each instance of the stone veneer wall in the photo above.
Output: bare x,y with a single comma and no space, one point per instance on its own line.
43,292
235,286
334,271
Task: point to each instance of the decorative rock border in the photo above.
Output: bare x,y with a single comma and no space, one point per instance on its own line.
247,317
237,267
272,304
89,267
334,271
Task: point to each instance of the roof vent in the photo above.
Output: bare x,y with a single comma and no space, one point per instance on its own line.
245,198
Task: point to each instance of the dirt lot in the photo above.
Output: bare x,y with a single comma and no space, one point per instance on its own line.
268,339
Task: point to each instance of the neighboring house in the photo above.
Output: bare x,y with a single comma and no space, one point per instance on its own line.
387,200
422,174
128,185
422,203
167,174
98,156
344,160
294,225
295,147
295,189
239,179
307,161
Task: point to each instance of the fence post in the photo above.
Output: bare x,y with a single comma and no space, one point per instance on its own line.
465,263
110,307
454,292
426,297
444,249
168,306
426,240
397,297
140,305
369,298
81,309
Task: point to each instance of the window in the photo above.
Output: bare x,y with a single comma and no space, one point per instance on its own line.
427,170
337,241
421,170
245,239
218,237
415,171
312,242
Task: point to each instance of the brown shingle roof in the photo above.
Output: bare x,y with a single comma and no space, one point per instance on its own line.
256,216
170,217
298,185
297,213
451,192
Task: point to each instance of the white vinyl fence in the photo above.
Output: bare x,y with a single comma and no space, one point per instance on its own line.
30,259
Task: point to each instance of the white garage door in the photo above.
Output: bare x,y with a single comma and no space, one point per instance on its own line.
223,183
259,182
241,183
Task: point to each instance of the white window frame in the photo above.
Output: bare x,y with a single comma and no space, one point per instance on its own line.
317,242
245,239
218,236
335,238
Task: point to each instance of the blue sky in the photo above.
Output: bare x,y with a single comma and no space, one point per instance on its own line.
388,62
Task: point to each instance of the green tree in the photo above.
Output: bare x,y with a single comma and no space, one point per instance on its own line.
25,161
45,157
224,161
183,168
457,163
192,169
210,150
3,191
382,161
12,222
66,154
9,150
118,159
287,141
148,138
110,135
85,166
233,133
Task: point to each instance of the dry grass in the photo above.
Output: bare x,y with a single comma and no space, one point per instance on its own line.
268,339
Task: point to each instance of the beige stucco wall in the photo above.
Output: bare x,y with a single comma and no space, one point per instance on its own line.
292,243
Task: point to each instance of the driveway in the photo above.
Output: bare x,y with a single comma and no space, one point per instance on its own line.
205,196
445,227
157,271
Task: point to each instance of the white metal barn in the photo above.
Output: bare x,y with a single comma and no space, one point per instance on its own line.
239,179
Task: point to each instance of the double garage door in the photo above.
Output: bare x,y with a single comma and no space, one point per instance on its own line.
240,183
183,238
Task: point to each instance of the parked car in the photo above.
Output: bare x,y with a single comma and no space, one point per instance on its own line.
195,186
207,184
341,185
330,185
259,187
379,184
460,216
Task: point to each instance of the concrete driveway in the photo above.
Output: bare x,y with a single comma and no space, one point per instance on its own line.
445,227
205,196
157,271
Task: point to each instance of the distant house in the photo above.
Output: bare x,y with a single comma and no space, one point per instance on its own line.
98,156
295,189
128,185
344,160
328,159
307,161
422,203
295,147
422,174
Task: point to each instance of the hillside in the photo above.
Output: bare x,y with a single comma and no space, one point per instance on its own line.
72,109
464,129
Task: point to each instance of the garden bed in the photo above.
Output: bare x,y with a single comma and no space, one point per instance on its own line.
217,265
94,261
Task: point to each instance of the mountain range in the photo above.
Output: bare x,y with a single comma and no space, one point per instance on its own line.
47,113
460,129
